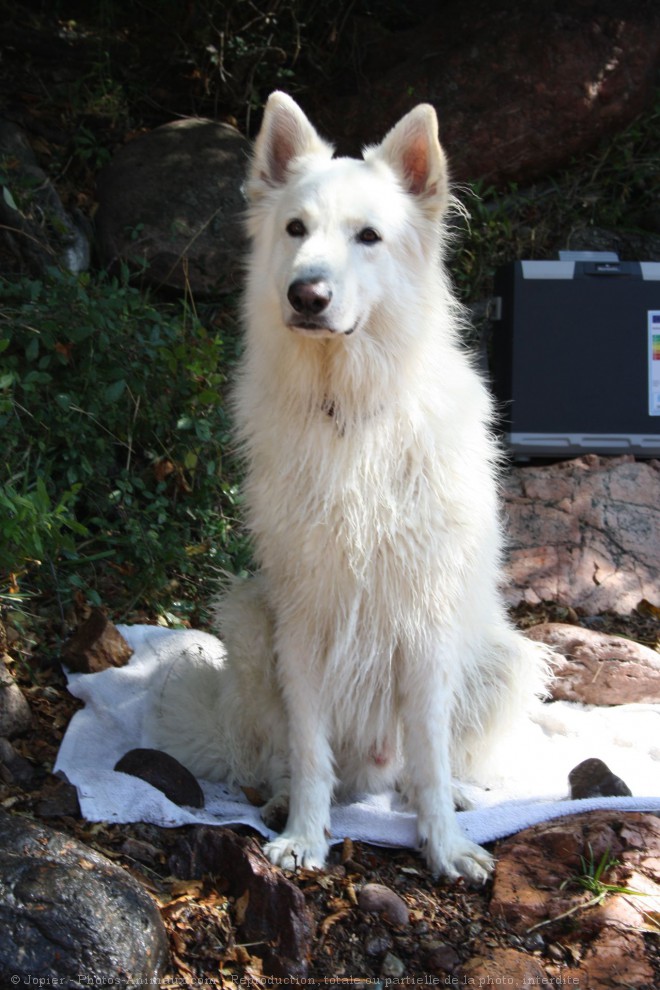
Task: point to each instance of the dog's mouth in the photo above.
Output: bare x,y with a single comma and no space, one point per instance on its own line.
318,328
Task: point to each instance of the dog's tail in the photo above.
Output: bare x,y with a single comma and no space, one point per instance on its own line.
513,680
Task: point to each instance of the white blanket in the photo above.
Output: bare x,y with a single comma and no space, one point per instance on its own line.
537,758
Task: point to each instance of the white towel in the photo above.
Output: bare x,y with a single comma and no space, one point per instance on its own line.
538,755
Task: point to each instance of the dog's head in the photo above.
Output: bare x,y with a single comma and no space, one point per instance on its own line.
339,232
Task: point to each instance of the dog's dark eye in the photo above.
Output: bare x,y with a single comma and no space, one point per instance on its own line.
368,236
296,228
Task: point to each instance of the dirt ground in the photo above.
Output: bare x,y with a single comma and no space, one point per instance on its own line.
448,924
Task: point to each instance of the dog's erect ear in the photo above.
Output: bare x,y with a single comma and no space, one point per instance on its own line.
286,134
413,151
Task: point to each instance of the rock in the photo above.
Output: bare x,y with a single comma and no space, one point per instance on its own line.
502,967
33,222
57,798
96,645
273,914
164,772
392,967
170,202
14,768
141,851
15,714
442,958
67,914
584,533
535,883
616,960
593,778
595,668
377,944
375,898
519,88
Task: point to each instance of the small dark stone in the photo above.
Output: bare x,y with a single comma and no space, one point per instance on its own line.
164,772
377,944
392,967
534,942
96,645
375,898
442,958
58,798
14,768
593,778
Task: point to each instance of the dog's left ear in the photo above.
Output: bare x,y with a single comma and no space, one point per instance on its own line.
286,134
413,151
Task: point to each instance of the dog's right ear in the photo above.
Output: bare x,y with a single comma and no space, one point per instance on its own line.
413,151
286,134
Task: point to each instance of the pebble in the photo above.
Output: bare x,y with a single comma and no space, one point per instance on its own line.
534,942
376,945
593,778
375,898
392,967
556,952
442,958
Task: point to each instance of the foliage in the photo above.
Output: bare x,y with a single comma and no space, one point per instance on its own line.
615,187
116,468
243,50
231,52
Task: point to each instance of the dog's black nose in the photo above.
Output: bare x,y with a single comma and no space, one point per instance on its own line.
309,297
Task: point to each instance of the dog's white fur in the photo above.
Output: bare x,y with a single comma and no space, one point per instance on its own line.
373,647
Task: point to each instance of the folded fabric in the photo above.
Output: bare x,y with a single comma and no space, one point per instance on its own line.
531,786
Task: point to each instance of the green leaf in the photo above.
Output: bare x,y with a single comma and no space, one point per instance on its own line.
9,199
114,391
32,349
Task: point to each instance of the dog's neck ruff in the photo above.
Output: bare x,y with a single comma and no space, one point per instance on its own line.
330,408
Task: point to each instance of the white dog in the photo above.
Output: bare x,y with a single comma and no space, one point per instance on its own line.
374,647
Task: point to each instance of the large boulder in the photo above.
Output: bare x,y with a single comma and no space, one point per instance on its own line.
35,227
584,533
541,888
595,668
519,87
69,917
170,204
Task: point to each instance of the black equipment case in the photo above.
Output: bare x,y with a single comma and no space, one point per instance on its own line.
575,356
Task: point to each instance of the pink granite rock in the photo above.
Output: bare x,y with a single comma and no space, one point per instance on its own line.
537,887
584,533
598,669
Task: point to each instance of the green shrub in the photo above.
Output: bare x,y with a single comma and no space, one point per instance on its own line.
116,466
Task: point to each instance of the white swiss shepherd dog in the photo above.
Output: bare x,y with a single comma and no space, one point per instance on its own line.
373,648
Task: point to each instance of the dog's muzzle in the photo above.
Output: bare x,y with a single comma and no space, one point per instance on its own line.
309,299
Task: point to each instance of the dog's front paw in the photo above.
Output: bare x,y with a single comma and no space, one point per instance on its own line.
292,851
456,856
